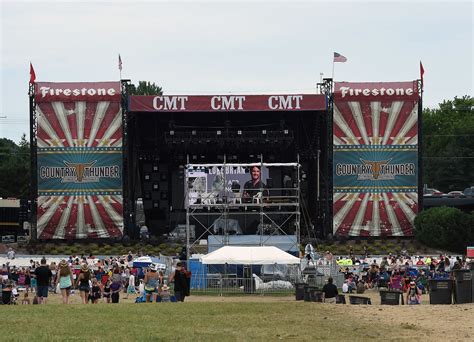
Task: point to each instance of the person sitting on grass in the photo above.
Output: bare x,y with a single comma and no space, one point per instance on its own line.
25,299
330,292
413,294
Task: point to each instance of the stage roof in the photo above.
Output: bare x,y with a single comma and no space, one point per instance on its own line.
227,103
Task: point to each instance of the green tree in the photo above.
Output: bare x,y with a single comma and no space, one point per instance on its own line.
446,228
448,144
15,168
145,88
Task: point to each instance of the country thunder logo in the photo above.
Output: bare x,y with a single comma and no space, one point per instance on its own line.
79,172
375,170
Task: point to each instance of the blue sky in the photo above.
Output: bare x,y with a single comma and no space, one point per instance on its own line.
247,47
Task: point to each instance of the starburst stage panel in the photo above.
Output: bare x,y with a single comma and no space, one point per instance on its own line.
375,166
79,169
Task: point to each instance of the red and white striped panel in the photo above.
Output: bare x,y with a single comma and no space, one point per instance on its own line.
374,214
79,217
79,124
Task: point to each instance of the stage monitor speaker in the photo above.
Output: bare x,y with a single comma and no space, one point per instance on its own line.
147,205
147,186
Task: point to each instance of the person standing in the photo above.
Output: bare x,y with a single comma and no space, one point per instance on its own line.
131,285
115,289
151,282
330,292
179,278
65,280
43,278
82,283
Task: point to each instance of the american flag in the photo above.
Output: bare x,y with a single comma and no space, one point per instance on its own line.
339,58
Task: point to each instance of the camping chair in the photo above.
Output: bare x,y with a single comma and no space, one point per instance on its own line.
208,198
237,198
257,198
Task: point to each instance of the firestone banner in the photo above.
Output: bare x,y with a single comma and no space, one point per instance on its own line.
375,165
79,153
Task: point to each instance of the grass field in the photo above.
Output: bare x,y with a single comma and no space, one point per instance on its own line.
245,319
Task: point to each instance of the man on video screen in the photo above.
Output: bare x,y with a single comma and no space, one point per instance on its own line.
254,185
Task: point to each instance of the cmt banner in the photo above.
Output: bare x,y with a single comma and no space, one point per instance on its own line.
79,153
375,165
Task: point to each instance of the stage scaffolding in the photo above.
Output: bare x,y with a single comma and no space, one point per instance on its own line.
277,208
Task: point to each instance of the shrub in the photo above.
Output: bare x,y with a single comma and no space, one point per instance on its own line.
443,227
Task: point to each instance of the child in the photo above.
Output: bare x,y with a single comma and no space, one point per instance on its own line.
165,294
25,300
95,293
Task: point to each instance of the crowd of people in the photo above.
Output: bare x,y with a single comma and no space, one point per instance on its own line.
407,274
94,280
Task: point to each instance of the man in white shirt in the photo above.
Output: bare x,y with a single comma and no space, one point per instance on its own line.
131,285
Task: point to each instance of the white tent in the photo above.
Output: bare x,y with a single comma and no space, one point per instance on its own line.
254,255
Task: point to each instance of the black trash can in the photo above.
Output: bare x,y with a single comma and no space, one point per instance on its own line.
357,300
299,291
316,295
463,291
390,297
441,291
311,293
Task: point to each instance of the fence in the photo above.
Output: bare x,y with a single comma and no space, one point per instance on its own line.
230,284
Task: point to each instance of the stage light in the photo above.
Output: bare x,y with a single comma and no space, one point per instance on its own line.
239,132
219,132
285,131
171,132
193,132
264,131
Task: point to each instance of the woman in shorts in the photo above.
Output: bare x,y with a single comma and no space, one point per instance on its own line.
82,283
151,282
65,281
106,291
